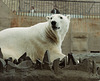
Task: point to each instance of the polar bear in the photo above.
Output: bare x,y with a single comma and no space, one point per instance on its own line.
35,40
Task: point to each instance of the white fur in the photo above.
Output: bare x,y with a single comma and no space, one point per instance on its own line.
16,41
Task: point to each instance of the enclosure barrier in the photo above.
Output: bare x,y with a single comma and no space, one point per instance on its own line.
42,8
65,68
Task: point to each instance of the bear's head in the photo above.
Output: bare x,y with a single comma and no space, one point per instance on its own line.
59,22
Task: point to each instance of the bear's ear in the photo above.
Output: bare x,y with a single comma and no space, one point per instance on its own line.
68,17
48,17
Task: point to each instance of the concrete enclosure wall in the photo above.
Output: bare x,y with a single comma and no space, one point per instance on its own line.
5,16
84,36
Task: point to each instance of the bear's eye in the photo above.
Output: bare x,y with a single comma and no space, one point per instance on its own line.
51,18
61,18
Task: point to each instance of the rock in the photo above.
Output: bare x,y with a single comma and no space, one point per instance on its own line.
29,59
94,69
85,65
46,61
63,62
71,59
80,60
2,65
56,66
46,58
9,59
98,70
38,64
10,66
22,58
25,64
1,55
15,61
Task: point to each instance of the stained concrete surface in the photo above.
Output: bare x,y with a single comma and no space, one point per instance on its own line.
5,16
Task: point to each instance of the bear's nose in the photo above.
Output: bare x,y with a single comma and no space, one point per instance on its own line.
53,22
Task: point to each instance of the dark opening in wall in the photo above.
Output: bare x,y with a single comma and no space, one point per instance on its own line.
94,51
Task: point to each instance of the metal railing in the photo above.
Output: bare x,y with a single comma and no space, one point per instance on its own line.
77,9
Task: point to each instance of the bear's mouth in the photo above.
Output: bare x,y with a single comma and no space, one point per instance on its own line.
55,27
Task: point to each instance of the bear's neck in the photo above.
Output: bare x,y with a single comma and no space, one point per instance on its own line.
52,35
